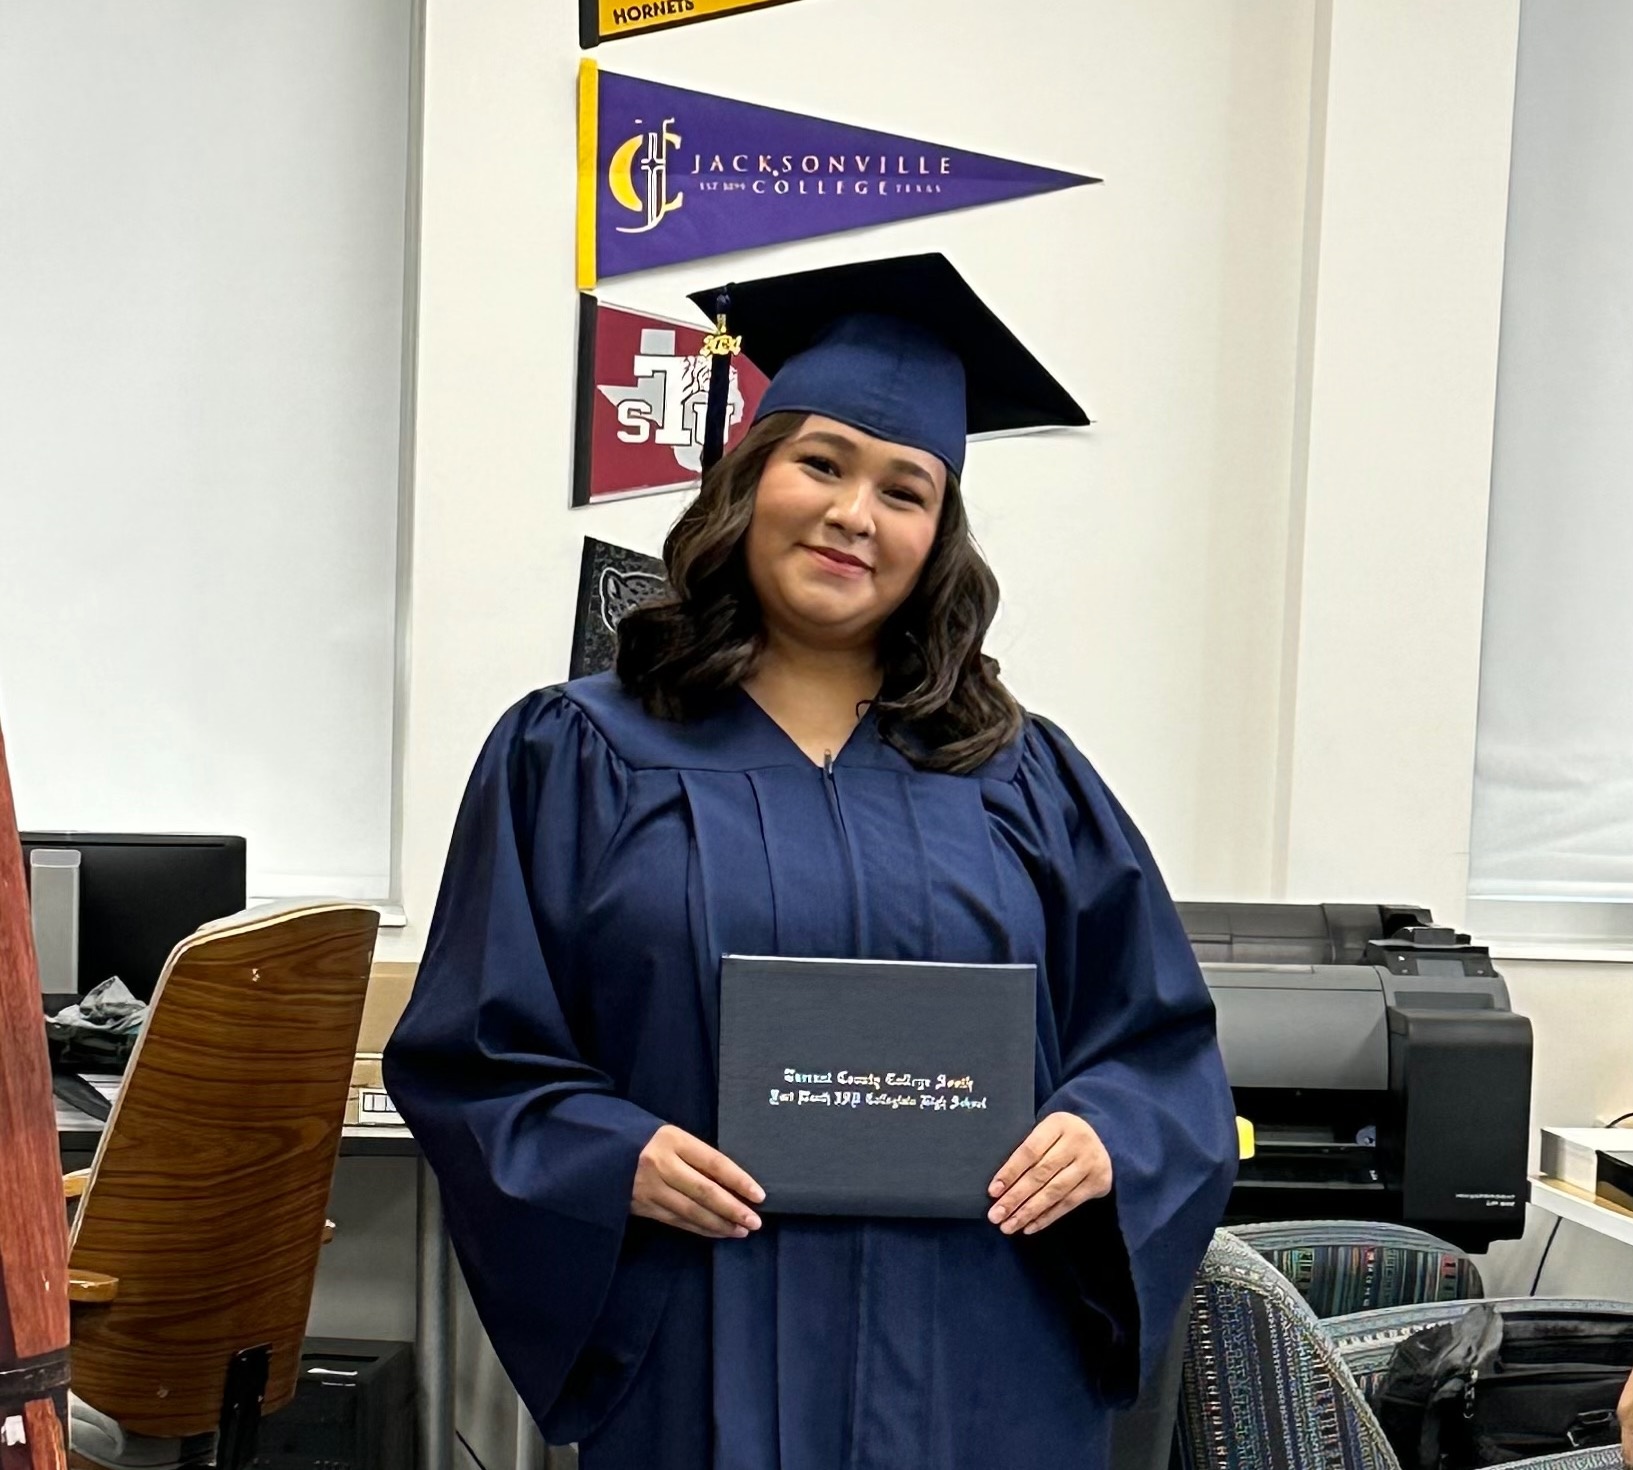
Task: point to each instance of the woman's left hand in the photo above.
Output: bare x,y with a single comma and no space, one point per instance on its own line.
1061,1164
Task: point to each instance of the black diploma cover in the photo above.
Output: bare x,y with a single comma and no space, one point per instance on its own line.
875,1087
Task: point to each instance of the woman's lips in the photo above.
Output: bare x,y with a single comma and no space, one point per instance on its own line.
838,562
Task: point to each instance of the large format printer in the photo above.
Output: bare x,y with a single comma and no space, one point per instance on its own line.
1379,1061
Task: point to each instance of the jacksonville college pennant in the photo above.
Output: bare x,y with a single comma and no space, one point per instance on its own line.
668,175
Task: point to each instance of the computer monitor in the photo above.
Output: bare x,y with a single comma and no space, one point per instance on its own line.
140,894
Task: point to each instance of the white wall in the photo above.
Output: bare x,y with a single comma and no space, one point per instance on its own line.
1141,560
1252,591
1386,569
201,303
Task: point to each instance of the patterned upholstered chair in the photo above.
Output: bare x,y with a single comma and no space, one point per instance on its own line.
1266,1385
1338,1266
1344,1266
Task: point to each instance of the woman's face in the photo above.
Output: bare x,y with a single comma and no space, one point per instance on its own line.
843,524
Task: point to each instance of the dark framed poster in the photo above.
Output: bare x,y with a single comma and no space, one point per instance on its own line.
611,580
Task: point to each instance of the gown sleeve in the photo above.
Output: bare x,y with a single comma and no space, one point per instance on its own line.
1139,1061
534,1153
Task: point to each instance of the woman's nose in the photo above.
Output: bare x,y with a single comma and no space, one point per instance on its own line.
852,510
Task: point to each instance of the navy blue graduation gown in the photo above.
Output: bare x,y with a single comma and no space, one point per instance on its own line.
602,863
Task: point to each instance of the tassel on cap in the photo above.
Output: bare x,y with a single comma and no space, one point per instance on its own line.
720,347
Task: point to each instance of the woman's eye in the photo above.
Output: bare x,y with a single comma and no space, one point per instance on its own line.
904,493
819,464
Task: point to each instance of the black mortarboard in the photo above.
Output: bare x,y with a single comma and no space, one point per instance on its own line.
901,348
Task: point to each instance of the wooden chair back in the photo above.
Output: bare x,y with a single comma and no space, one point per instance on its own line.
207,1196
33,1239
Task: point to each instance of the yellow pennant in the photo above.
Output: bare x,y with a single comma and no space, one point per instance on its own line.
608,20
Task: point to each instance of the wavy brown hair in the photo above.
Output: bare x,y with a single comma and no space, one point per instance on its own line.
941,702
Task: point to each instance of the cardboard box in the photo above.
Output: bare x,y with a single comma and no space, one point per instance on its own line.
391,982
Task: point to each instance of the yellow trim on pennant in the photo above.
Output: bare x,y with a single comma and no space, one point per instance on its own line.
1246,1139
588,119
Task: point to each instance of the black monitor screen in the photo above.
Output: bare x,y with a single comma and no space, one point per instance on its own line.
141,895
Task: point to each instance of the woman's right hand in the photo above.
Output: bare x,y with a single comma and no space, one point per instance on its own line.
681,1181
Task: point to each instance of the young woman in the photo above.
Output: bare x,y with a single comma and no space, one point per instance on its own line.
804,752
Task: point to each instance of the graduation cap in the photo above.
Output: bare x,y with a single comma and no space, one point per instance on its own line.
902,349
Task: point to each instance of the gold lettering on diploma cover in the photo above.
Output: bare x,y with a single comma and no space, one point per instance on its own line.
943,1093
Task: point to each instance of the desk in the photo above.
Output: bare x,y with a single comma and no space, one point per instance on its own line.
79,1133
1581,1208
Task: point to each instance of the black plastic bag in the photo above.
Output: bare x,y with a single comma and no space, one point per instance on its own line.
1487,1390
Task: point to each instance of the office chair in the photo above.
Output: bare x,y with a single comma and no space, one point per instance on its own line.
1267,1385
195,1246
1344,1266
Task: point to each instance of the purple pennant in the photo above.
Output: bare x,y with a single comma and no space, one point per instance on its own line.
668,174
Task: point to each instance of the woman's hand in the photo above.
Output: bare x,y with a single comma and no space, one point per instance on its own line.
1061,1164
681,1181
